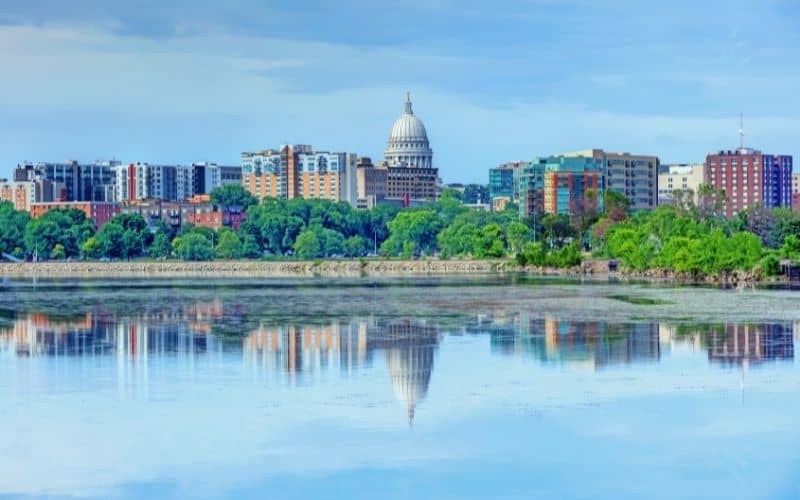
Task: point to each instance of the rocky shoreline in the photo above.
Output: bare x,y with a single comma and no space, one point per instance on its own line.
254,269
592,269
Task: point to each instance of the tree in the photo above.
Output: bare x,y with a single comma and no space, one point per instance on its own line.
557,228
193,246
229,246
58,252
307,245
12,229
232,197
111,241
616,205
69,228
710,202
355,246
160,248
92,248
518,235
416,227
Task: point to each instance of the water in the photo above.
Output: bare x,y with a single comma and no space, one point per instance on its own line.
504,388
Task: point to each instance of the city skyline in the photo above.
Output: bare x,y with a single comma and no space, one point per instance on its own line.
168,84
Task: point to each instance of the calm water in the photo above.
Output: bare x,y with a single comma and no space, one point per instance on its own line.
403,389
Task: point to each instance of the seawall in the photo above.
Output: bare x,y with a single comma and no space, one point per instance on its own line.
254,269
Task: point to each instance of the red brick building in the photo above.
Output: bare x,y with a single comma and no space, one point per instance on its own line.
750,178
99,212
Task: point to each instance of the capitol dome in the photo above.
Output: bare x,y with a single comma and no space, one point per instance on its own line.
408,141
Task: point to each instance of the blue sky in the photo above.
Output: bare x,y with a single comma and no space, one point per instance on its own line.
182,81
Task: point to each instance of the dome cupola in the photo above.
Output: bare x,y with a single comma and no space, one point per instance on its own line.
408,141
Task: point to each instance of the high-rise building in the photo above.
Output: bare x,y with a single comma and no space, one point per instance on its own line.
570,192
141,181
561,185
750,178
300,172
230,175
631,175
678,177
96,181
70,181
63,177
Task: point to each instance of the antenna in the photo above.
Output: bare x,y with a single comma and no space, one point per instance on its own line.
741,130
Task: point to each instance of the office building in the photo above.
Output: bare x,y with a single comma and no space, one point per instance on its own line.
504,180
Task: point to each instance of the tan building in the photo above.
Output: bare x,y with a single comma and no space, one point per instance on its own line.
299,172
20,193
499,203
683,177
796,183
370,183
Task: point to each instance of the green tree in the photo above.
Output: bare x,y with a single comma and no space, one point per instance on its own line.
12,229
355,246
111,238
58,252
160,248
416,227
69,228
307,245
92,248
193,246
232,197
518,235
229,246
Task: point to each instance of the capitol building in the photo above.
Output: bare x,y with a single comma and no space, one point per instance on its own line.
408,144
406,175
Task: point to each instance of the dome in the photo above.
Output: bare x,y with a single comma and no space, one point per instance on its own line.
408,127
408,141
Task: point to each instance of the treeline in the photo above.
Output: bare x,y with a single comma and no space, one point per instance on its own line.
281,229
692,236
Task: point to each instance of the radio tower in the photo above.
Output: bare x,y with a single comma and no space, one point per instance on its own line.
741,131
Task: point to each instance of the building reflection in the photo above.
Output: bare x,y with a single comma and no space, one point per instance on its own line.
593,344
300,352
408,347
102,333
734,344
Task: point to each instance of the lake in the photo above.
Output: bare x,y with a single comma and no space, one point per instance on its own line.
500,387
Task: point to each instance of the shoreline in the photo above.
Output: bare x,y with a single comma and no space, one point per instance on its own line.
592,270
255,269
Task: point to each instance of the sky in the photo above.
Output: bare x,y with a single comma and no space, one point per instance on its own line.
177,81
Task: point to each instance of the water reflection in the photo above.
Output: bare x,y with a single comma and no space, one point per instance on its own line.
594,344
294,350
408,347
